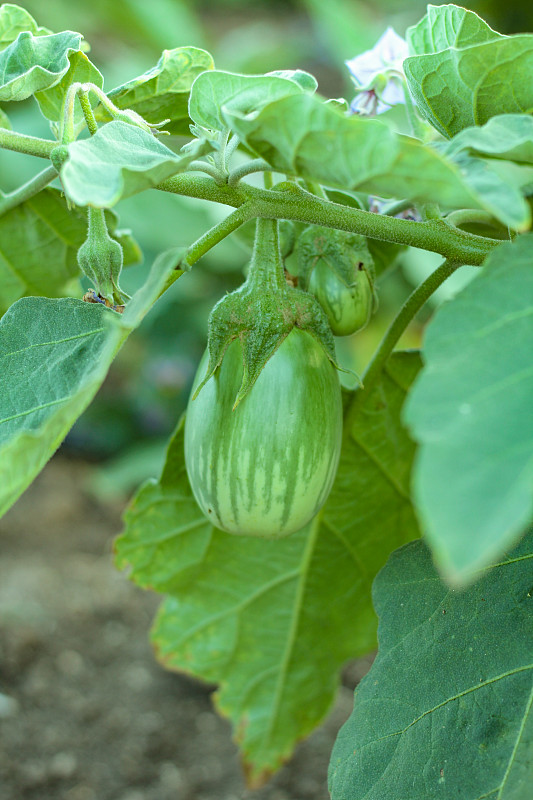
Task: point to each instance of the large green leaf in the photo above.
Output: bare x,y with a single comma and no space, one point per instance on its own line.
501,185
448,26
463,73
118,161
267,619
14,20
54,355
31,63
163,91
471,412
446,710
243,93
81,70
39,240
508,136
302,135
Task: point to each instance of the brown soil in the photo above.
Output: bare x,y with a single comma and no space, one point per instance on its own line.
86,713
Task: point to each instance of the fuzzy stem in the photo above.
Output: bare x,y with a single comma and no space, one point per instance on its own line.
408,311
83,97
256,165
299,205
464,216
67,125
209,169
216,235
213,236
266,266
31,145
29,189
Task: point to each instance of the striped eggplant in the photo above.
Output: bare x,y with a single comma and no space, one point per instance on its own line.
266,467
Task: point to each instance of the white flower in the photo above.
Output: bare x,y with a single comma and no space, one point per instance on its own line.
378,75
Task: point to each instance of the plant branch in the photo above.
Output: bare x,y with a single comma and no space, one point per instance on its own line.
256,165
206,242
408,311
27,190
289,201
209,169
21,143
464,216
85,103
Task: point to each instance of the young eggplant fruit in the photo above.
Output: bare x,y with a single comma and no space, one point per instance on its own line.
337,268
264,422
266,467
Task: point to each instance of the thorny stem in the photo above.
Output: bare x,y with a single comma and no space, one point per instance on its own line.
294,203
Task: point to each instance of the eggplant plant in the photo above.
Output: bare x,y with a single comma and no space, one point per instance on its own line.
396,514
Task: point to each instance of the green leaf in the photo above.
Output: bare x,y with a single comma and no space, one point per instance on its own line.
32,63
163,91
319,143
264,619
446,710
470,411
500,187
448,26
214,90
39,240
14,20
118,161
508,136
463,73
54,355
4,120
306,81
82,70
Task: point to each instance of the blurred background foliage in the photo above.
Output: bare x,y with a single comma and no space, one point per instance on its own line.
126,427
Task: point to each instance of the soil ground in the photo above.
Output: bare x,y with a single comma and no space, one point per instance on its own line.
86,713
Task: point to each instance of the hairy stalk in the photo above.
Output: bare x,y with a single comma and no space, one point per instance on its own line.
408,311
464,216
206,242
29,189
67,123
295,203
256,165
83,97
209,169
21,143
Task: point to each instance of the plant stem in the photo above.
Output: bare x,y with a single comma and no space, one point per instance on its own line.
266,266
466,215
31,145
213,236
83,97
27,190
256,165
295,203
209,169
67,124
408,311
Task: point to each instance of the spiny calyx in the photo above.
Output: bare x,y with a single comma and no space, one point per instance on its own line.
262,313
346,254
